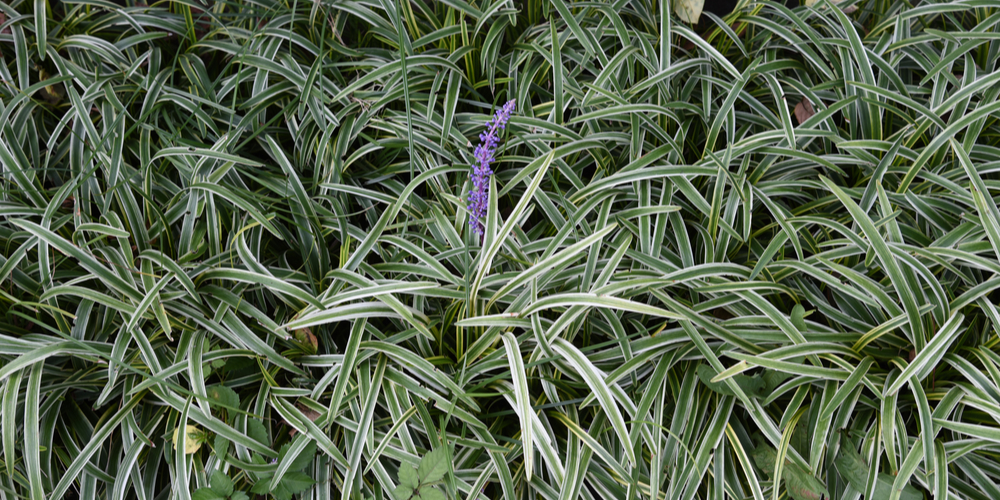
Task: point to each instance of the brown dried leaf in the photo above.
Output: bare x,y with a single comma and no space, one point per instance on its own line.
309,413
804,110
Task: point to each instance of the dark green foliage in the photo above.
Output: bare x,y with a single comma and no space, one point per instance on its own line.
852,467
798,482
248,221
752,386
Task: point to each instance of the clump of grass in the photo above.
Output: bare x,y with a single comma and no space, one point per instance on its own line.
747,259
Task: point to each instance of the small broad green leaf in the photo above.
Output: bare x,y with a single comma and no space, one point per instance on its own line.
402,492
433,466
222,395
280,492
430,493
302,460
296,482
221,484
408,477
239,495
207,494
798,316
256,431
261,487
772,379
221,446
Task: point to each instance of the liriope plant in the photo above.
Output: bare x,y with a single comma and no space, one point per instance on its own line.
250,250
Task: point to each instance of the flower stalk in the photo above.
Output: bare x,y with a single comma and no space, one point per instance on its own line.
485,152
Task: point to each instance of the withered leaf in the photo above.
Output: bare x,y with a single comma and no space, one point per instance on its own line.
804,110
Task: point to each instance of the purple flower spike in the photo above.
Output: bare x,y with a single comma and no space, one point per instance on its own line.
479,196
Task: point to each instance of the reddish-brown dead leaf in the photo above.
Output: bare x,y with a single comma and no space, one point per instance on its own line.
804,110
310,413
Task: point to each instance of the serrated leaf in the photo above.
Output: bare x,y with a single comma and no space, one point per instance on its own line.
304,458
280,492
402,492
408,476
430,493
262,486
257,431
433,466
221,446
296,482
222,395
221,484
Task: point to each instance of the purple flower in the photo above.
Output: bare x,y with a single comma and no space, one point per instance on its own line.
479,196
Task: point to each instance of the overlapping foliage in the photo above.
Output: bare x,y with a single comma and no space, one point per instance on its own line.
248,221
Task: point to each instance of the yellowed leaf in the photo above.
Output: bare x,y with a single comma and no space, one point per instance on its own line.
689,10
192,439
53,93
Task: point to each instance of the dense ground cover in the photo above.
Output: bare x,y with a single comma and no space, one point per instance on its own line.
760,250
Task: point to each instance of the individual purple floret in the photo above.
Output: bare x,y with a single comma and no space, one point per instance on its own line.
479,196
